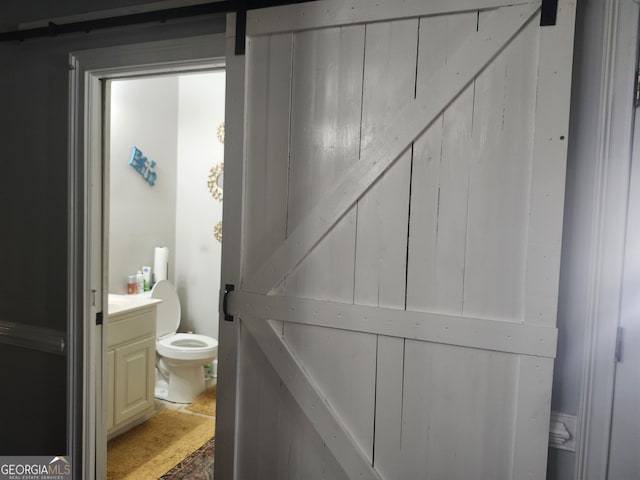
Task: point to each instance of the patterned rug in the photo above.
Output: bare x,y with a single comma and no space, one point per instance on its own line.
197,466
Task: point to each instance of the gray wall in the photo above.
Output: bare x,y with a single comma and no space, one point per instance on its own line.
33,208
14,12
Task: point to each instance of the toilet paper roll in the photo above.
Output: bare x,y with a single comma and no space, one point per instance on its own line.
160,263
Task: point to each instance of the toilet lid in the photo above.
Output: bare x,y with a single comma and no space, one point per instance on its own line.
168,317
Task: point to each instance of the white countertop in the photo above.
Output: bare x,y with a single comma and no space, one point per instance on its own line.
127,303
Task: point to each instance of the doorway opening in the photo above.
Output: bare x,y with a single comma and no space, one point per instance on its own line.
163,169
88,226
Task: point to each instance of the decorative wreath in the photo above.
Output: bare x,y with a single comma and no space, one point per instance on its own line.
217,231
221,132
214,181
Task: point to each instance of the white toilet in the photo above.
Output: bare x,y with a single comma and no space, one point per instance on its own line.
181,357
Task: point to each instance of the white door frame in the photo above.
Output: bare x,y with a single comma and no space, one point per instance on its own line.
607,237
87,274
623,462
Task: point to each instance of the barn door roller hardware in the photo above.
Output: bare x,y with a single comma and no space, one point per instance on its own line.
224,6
548,12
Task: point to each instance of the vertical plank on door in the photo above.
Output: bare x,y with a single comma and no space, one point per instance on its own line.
388,457
382,216
548,176
228,356
258,406
267,155
466,402
545,233
499,180
325,134
325,117
457,409
532,421
440,179
437,230
267,146
383,211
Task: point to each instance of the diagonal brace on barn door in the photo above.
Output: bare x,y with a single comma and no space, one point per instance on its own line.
313,403
413,119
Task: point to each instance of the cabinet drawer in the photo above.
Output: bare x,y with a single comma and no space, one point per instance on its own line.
128,327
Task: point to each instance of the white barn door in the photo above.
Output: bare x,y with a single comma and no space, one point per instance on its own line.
394,221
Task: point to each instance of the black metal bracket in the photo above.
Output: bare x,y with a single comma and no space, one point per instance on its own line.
228,288
548,12
241,27
53,28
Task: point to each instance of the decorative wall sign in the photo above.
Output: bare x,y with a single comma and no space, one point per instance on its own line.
221,132
217,231
215,181
143,166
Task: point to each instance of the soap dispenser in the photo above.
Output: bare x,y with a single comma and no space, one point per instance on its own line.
139,282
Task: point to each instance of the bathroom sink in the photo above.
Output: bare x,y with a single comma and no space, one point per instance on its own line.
125,303
118,299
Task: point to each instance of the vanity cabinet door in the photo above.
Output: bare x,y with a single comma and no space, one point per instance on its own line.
134,386
111,380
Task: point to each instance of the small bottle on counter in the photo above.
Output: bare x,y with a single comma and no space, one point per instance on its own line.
146,275
131,285
139,282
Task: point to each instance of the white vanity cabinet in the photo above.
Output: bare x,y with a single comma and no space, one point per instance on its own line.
131,358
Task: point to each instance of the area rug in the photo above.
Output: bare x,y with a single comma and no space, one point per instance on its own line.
154,447
197,466
205,403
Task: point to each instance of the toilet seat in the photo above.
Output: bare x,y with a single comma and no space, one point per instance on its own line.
172,345
186,346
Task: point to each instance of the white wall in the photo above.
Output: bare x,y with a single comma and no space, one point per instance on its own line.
144,113
174,120
197,271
